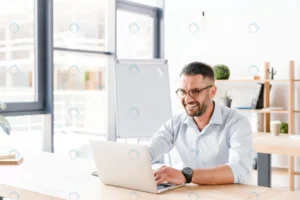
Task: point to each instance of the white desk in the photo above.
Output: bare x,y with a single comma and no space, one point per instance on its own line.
48,176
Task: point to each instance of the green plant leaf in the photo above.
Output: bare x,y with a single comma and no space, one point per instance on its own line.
4,124
226,96
284,128
2,105
86,76
221,72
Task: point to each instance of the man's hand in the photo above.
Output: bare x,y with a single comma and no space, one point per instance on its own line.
170,175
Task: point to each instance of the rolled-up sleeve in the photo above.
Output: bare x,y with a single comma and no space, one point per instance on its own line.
162,141
241,150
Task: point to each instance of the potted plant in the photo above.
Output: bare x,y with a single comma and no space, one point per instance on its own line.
4,124
5,129
87,80
227,100
284,128
222,72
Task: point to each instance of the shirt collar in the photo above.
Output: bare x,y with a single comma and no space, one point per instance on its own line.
216,118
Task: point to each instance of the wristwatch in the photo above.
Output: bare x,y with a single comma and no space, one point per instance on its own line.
188,174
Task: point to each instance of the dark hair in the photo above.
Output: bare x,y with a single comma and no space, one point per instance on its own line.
196,68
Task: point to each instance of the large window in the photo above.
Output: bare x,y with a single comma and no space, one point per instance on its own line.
79,24
17,40
22,57
27,133
79,92
135,35
80,67
138,35
68,81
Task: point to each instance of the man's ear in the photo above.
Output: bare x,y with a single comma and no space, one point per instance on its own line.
213,91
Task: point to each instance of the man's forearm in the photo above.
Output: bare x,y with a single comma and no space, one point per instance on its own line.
213,176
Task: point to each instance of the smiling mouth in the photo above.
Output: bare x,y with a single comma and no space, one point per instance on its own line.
191,106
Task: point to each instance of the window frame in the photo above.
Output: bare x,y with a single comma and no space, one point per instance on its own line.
42,65
155,13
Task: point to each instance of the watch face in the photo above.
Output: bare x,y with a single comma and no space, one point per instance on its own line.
188,171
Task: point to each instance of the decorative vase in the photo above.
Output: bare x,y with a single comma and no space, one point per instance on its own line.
227,102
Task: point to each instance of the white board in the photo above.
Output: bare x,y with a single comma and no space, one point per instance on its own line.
143,102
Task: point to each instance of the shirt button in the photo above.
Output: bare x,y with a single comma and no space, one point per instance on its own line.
194,154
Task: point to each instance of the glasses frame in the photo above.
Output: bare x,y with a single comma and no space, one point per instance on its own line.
188,92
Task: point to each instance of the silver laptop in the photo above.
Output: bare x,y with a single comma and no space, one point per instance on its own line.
127,166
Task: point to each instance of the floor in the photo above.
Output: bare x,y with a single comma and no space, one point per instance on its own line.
279,179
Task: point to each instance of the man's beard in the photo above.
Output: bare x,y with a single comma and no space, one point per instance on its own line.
198,110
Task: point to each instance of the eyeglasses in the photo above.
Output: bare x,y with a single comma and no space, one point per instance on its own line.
194,93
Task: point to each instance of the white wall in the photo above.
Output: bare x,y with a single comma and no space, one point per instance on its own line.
224,37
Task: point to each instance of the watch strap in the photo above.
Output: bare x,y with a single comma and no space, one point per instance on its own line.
188,177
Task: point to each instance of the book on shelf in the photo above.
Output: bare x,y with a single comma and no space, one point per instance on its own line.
258,97
243,107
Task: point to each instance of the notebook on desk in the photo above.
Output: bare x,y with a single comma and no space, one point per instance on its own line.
6,156
9,157
11,161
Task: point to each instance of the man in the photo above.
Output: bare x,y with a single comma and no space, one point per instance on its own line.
214,142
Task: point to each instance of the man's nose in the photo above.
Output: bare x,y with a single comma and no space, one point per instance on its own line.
187,99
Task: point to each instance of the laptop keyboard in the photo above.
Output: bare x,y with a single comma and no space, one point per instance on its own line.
159,187
164,185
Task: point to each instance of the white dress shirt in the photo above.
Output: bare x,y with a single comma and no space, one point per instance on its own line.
227,139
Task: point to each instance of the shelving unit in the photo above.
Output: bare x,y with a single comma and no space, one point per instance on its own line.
237,80
291,114
266,113
255,81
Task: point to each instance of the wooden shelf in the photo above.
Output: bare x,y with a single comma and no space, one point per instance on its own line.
268,133
275,111
248,110
297,111
264,111
234,81
256,81
276,81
